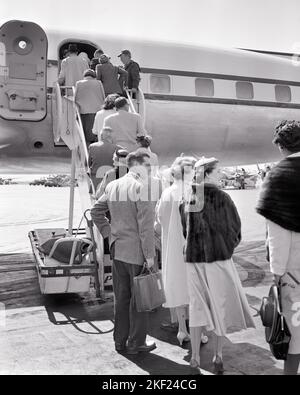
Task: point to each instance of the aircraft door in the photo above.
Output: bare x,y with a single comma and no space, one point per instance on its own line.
23,74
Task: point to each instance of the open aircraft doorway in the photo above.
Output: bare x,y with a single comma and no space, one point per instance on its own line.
83,47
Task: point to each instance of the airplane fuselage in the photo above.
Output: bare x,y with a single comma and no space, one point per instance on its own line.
202,101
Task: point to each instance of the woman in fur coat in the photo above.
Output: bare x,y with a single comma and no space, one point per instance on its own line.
279,203
212,229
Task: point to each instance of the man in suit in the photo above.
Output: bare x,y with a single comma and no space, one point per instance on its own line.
125,126
133,70
131,233
72,68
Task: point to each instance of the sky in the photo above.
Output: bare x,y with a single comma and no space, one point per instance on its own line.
272,25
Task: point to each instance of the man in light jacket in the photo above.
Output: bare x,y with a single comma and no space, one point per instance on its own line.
131,234
125,126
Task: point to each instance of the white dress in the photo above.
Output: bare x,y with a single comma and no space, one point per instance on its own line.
99,121
217,299
174,269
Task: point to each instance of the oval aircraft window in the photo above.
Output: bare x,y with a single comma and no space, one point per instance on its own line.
23,46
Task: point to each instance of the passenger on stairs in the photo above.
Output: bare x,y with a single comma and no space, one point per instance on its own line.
101,157
108,74
108,109
133,70
126,126
144,142
96,59
72,68
85,56
89,96
120,170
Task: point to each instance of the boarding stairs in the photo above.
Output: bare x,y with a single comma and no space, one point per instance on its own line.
67,128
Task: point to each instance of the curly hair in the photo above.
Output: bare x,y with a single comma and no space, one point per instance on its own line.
144,141
287,136
110,101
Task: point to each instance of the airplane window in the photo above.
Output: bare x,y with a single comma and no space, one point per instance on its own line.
283,93
160,83
22,44
205,87
244,90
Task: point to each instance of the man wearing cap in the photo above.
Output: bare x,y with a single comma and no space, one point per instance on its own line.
125,126
108,74
133,69
72,68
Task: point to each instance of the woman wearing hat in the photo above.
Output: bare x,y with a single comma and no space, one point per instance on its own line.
212,228
173,265
109,74
279,203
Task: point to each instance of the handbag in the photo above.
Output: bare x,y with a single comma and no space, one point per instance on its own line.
149,292
277,332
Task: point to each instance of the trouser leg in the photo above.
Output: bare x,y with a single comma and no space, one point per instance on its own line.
122,292
138,321
87,124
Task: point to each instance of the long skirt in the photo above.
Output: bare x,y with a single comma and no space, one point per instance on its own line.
217,299
291,308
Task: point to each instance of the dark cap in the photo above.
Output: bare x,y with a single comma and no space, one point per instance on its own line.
122,153
125,52
73,48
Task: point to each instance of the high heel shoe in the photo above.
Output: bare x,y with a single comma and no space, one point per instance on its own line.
183,337
218,365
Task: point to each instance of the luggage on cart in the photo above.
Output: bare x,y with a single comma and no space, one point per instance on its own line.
57,276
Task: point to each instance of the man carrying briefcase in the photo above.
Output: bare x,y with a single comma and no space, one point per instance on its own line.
131,234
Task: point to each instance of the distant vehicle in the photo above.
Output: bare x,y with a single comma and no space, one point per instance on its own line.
52,184
58,181
42,181
6,181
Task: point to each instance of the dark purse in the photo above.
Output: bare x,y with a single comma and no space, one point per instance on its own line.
277,332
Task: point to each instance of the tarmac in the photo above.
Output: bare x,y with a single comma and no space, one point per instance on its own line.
72,334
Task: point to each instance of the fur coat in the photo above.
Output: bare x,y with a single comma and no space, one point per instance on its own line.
212,233
279,201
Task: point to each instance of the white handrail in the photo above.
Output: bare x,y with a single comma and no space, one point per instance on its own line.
130,101
59,115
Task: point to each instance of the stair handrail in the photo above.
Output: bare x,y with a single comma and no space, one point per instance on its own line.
141,104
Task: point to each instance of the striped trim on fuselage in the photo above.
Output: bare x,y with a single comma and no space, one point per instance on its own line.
213,76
